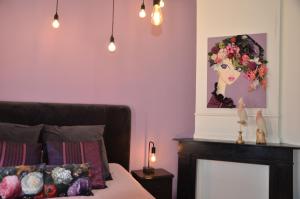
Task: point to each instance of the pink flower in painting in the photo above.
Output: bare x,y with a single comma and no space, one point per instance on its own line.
232,49
10,187
262,71
233,40
251,75
245,59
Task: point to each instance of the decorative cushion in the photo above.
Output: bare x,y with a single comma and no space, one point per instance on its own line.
78,153
51,133
19,133
12,154
21,181
67,180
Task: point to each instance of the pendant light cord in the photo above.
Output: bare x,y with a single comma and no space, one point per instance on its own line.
56,6
113,18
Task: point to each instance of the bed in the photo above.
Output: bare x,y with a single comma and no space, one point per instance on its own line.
117,121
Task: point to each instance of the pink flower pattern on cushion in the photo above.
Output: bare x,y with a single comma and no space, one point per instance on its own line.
21,181
10,187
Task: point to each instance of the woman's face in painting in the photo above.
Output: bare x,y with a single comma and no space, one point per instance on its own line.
227,72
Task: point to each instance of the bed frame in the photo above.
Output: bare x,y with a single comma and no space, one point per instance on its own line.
116,118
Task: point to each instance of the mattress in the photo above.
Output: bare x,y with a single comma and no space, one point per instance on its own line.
122,186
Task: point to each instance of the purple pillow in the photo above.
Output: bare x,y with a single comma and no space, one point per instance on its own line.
89,133
78,153
12,154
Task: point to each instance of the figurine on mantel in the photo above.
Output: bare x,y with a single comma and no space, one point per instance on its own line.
243,120
261,128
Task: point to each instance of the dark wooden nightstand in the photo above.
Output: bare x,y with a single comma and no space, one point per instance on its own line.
158,184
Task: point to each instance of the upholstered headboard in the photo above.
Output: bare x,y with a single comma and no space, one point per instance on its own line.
116,118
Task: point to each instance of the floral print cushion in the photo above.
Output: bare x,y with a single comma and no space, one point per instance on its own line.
67,180
21,182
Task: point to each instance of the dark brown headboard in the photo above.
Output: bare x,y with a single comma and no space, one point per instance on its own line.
116,118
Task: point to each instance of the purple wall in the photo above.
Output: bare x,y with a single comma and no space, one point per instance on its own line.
153,70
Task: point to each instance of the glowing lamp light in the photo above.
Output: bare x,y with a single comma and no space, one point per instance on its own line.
156,15
55,23
151,158
112,46
162,3
142,12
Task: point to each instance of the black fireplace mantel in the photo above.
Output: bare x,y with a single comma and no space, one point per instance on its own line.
279,157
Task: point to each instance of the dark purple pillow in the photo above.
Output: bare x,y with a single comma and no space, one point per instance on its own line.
12,154
89,133
78,153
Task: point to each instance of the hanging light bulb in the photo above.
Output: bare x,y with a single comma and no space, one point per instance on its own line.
162,3
55,22
142,12
156,15
112,46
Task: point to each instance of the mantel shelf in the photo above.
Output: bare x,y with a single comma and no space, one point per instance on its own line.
277,145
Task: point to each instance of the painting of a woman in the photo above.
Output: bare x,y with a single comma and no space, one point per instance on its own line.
231,58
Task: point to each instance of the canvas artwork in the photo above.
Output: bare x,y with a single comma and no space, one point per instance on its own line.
237,68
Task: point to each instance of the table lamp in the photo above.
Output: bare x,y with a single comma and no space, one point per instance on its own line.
151,158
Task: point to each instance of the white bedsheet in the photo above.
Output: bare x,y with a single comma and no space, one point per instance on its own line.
123,186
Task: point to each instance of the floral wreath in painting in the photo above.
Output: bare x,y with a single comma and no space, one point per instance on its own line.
247,56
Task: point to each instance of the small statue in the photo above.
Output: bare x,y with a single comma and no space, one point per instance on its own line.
261,128
240,138
243,120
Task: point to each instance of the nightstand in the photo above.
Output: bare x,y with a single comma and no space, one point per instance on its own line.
159,184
